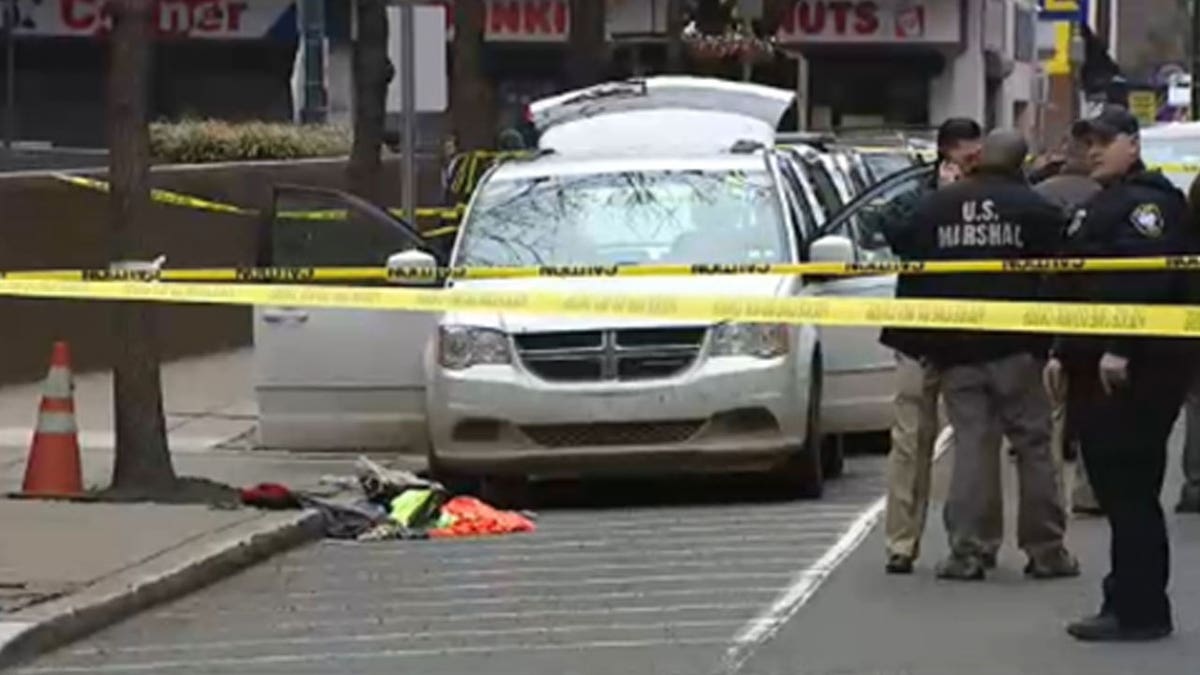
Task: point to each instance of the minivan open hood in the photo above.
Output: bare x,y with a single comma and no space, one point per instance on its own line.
702,114
761,285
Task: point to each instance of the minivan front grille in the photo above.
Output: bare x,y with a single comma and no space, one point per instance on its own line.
612,355
612,433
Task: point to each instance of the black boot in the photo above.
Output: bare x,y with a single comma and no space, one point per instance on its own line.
1105,627
960,567
899,564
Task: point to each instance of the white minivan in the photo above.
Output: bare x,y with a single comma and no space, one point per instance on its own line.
497,395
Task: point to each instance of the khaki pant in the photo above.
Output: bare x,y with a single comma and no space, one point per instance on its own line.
910,461
984,402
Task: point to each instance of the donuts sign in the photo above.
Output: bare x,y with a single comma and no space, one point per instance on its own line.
871,21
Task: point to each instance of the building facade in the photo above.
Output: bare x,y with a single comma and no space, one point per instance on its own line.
853,63
219,58
913,63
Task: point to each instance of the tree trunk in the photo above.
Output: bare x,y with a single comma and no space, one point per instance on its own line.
472,99
675,25
372,72
772,15
143,459
768,27
588,55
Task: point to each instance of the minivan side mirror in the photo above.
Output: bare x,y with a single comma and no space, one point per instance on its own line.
417,261
832,248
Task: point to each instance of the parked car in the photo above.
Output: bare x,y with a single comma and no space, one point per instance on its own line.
506,397
1177,146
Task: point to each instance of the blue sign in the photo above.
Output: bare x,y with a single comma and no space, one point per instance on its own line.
1064,10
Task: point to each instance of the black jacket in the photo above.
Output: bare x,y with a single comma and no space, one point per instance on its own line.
900,232
1141,214
984,217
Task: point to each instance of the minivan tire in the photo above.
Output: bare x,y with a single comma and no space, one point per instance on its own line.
803,473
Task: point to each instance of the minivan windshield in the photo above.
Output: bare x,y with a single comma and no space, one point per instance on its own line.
1171,150
626,218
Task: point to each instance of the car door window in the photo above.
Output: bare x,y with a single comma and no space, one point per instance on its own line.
798,203
823,183
864,219
319,227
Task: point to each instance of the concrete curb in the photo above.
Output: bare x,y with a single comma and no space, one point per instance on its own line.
41,628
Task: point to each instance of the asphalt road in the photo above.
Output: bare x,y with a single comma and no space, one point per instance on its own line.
658,578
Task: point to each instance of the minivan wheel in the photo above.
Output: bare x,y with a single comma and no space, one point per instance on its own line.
455,482
833,456
803,472
505,492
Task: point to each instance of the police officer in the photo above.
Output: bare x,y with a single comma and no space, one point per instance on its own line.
991,380
1069,188
1126,392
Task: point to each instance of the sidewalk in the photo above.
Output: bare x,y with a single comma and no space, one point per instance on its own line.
69,568
865,622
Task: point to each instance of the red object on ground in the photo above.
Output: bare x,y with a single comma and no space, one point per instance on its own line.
473,518
269,496
54,469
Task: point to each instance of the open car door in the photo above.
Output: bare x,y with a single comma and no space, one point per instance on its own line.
331,379
858,369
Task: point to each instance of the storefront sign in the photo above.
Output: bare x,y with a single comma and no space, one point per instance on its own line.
519,20
871,21
204,19
528,20
1059,10
550,20
1144,105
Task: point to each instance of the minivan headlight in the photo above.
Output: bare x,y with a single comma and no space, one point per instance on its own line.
460,347
762,340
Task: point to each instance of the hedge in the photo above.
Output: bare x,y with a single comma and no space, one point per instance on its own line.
202,141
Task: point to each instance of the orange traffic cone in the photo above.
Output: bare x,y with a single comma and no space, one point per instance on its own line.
54,469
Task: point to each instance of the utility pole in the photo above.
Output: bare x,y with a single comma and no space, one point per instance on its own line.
312,18
1195,60
408,110
10,73
1075,58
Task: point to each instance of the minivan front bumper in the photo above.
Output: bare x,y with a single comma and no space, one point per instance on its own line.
722,414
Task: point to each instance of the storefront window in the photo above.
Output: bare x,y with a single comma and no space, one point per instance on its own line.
871,93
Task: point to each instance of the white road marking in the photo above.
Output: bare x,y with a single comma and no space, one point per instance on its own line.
698,517
569,583
359,638
208,611
480,547
805,584
495,616
375,654
688,553
582,570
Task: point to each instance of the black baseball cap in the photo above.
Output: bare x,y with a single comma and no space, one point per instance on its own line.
1108,123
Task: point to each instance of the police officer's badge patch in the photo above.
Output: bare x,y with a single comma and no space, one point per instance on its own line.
1076,222
1148,220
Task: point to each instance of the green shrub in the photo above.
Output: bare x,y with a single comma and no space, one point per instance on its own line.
201,141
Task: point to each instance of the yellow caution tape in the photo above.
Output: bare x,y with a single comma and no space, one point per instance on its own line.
452,213
361,274
161,196
1172,167
188,201
1162,320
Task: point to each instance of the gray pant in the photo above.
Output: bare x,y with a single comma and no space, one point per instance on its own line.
987,401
